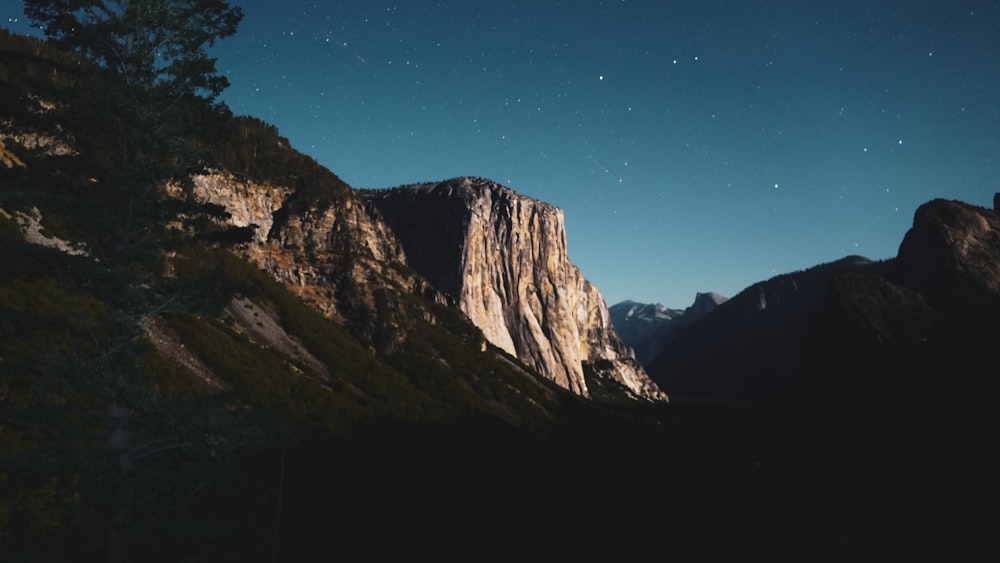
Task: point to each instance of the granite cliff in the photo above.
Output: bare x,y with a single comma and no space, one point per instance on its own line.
323,250
501,258
951,248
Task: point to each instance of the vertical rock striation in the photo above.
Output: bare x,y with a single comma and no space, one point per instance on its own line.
501,257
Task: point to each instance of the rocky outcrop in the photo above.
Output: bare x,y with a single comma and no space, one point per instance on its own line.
501,258
321,250
34,233
951,248
9,159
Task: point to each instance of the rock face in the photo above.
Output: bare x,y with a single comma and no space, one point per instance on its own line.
952,247
320,251
501,258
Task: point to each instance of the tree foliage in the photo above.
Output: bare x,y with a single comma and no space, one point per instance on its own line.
127,117
146,43
152,73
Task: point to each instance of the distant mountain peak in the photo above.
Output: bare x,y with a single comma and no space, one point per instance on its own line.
643,312
648,327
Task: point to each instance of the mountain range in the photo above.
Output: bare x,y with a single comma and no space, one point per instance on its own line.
647,328
248,359
751,345
759,343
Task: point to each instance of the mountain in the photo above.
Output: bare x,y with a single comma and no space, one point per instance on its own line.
897,370
178,325
637,325
500,257
931,306
879,371
764,341
752,344
261,203
647,328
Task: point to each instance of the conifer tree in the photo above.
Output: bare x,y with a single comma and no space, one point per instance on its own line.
152,69
146,43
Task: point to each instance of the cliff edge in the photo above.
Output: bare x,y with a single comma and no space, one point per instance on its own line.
501,257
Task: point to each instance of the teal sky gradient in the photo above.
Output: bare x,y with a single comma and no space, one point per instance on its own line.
693,145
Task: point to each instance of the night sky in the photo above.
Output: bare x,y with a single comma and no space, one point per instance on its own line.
693,145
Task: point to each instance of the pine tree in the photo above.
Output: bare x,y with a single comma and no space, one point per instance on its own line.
146,43
152,71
